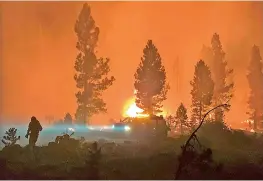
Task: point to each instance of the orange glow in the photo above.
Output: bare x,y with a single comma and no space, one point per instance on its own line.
164,113
131,110
37,62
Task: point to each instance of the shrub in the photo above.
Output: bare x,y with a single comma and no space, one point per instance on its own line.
10,139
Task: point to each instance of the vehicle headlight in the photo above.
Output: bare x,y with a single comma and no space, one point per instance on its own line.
71,129
127,128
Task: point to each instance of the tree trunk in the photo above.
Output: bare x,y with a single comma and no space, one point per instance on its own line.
200,111
255,124
182,132
256,120
150,107
88,88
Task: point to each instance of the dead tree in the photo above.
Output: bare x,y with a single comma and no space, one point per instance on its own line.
188,147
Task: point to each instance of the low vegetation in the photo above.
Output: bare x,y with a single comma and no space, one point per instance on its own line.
217,153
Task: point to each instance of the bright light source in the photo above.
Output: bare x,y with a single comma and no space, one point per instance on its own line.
112,126
71,129
127,128
91,128
133,110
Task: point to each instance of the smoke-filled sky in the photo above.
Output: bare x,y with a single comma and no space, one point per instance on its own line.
38,51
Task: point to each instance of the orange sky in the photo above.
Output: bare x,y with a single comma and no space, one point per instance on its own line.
37,67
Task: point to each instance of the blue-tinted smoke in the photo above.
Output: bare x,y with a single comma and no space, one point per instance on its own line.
49,134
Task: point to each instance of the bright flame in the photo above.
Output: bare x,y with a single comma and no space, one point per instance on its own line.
134,111
131,110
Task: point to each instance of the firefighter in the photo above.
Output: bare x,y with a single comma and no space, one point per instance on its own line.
34,128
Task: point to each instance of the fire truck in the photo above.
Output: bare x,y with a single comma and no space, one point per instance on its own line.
143,127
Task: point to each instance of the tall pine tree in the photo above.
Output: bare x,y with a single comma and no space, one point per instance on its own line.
255,80
202,91
150,81
91,72
223,91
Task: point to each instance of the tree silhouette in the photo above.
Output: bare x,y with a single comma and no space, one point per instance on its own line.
255,80
202,91
10,138
68,119
223,91
91,72
189,152
150,81
181,116
172,122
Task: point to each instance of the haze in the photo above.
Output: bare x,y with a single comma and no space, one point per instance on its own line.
38,51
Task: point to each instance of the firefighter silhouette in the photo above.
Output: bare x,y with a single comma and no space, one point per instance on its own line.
34,128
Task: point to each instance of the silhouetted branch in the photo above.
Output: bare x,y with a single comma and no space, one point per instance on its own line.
193,135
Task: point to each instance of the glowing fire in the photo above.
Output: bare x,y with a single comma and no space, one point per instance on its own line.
132,110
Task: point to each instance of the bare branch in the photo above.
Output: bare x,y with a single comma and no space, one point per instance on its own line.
180,166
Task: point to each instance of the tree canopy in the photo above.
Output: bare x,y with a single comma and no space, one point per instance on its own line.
255,80
202,91
91,72
223,89
150,81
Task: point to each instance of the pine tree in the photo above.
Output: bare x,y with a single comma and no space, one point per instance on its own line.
150,81
68,119
255,80
220,74
172,122
202,92
181,116
91,72
10,138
